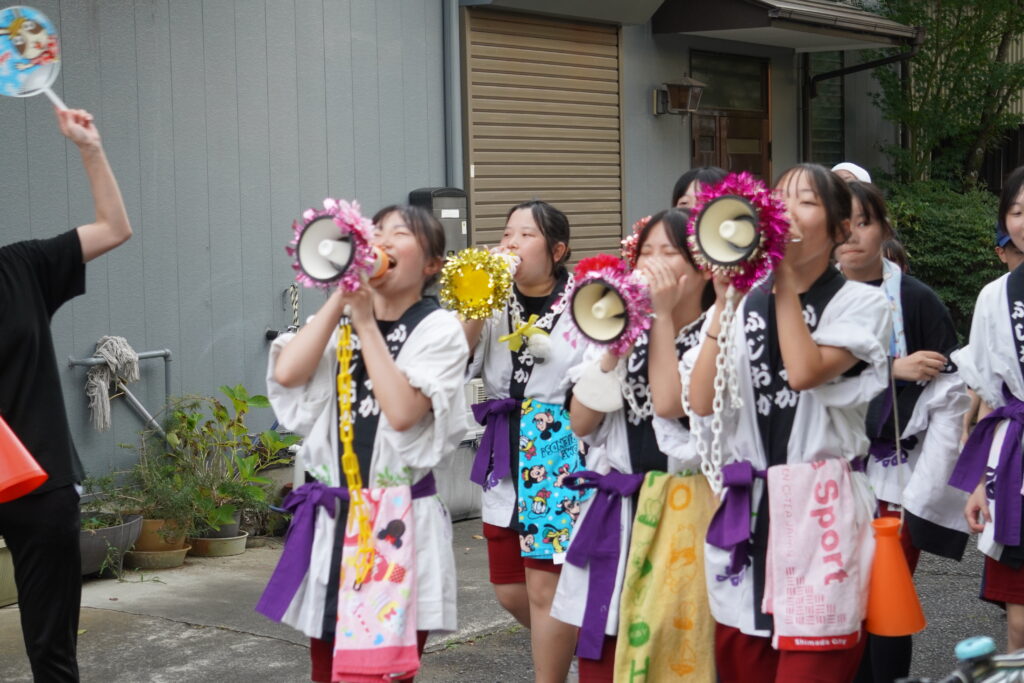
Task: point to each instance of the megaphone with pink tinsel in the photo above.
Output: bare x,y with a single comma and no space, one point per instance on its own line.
332,247
737,229
609,305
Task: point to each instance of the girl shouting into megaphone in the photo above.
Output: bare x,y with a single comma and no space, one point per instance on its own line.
528,450
625,408
809,355
394,394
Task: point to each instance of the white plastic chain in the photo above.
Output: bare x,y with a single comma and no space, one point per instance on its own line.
725,373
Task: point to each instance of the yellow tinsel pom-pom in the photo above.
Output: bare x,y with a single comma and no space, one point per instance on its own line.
475,283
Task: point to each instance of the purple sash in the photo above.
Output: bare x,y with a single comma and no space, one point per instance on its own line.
495,440
298,545
730,526
973,459
596,541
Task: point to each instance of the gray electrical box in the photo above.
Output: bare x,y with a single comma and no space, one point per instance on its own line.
450,207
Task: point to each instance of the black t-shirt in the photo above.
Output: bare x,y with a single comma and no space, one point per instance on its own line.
36,278
532,305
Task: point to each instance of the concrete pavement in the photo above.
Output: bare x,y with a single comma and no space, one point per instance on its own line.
196,623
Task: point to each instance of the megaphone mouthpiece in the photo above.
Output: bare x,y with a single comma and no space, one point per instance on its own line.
337,252
608,306
382,263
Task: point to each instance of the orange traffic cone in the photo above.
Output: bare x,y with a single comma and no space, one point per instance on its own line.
893,607
19,471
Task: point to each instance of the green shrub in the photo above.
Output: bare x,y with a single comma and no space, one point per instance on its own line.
949,237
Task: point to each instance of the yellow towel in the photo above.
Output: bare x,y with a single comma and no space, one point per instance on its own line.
666,631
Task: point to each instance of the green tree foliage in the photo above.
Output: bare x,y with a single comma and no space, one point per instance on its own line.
963,80
949,237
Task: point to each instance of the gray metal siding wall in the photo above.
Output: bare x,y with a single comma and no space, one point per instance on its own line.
223,121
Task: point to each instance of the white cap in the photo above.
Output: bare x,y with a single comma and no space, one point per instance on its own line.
857,172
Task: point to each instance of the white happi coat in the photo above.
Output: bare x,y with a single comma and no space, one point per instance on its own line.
921,484
987,362
829,423
433,359
492,360
609,449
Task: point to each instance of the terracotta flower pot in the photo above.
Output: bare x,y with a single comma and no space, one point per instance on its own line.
155,559
218,547
150,539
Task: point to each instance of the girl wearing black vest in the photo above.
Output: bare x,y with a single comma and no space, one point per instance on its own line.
523,355
927,408
627,410
408,407
990,463
809,355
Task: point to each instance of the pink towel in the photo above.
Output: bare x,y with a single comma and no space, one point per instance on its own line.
819,555
375,639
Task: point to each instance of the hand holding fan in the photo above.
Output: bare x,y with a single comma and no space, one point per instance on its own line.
29,54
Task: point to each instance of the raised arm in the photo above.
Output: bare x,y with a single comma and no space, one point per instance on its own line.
111,227
663,364
807,364
472,330
298,359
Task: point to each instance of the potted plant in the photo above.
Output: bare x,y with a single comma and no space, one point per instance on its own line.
107,532
164,496
210,444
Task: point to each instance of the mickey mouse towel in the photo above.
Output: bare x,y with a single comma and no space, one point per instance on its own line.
376,634
549,454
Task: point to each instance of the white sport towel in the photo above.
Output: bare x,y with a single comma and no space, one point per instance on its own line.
820,547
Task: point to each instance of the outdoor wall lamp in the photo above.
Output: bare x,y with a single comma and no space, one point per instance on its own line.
677,97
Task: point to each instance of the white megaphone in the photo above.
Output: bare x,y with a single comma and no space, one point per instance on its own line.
600,311
324,254
727,231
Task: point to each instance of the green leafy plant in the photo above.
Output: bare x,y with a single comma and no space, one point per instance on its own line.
949,237
210,445
957,101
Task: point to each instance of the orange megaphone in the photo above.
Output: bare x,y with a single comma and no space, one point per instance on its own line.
19,471
893,607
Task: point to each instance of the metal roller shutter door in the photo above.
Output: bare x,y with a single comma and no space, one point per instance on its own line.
542,122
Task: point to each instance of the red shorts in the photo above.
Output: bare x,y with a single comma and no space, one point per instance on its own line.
1001,583
600,670
321,656
909,551
505,559
742,658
